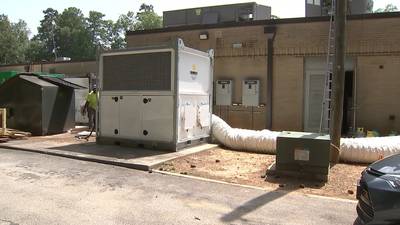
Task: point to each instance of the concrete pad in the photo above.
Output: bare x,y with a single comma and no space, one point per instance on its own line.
135,158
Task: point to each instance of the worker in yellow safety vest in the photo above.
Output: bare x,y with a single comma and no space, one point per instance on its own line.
91,105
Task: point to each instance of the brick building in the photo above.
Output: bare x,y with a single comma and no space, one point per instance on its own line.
299,52
299,65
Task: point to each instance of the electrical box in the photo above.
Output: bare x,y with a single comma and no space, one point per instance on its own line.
157,97
251,92
223,92
303,154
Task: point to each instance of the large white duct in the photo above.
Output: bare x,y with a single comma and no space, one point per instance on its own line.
369,149
357,150
263,141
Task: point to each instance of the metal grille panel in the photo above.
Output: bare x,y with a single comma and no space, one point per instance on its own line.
137,72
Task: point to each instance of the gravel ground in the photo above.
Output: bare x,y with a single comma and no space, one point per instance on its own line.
249,169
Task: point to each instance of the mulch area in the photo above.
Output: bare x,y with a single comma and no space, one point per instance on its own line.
250,168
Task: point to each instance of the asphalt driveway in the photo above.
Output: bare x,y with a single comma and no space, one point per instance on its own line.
44,189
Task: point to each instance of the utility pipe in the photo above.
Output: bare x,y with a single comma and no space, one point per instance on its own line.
270,31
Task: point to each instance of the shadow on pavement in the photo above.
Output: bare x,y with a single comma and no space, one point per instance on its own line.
113,151
253,204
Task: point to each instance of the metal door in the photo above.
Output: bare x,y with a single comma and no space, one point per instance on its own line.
157,118
130,119
314,94
109,116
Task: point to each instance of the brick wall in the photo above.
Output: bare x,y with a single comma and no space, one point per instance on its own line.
287,102
378,93
369,41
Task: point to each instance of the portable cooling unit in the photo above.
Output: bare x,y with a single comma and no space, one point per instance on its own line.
157,96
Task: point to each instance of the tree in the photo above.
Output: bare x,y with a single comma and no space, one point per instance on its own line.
370,6
70,34
72,37
13,41
46,34
388,8
100,30
124,23
146,18
36,50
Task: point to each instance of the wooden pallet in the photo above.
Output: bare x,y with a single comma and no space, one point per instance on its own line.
3,120
14,134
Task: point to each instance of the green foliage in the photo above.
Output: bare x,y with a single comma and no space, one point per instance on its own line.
274,17
70,34
388,8
124,23
100,29
370,6
13,41
36,50
46,33
146,18
73,37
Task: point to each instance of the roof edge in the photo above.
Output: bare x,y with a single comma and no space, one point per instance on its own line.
47,62
263,22
214,6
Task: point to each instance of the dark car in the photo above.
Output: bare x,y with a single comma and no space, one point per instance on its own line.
378,193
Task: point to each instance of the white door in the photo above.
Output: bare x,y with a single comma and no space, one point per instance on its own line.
109,116
80,98
130,119
157,118
315,81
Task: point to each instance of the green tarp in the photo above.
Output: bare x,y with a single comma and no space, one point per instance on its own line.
8,74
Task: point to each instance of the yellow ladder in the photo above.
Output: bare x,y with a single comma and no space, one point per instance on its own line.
3,114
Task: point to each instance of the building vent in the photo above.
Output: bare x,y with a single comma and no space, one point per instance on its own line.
149,71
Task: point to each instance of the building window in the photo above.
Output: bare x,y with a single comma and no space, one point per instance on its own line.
314,2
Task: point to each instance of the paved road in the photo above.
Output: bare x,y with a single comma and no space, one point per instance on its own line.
42,189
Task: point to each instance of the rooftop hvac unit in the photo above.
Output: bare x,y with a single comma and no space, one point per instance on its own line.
158,97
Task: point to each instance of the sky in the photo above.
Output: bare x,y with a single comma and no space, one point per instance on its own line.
31,11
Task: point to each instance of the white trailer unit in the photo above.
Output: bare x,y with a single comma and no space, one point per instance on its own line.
156,97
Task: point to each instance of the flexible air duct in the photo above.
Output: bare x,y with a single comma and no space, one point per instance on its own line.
369,149
357,150
246,140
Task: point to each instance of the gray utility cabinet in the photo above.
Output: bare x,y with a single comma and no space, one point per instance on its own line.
251,92
303,154
223,92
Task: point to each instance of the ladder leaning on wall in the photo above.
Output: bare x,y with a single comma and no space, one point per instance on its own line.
326,112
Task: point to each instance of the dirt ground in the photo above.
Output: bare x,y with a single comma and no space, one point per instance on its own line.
246,168
250,168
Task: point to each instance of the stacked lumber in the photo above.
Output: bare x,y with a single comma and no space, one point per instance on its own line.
12,134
